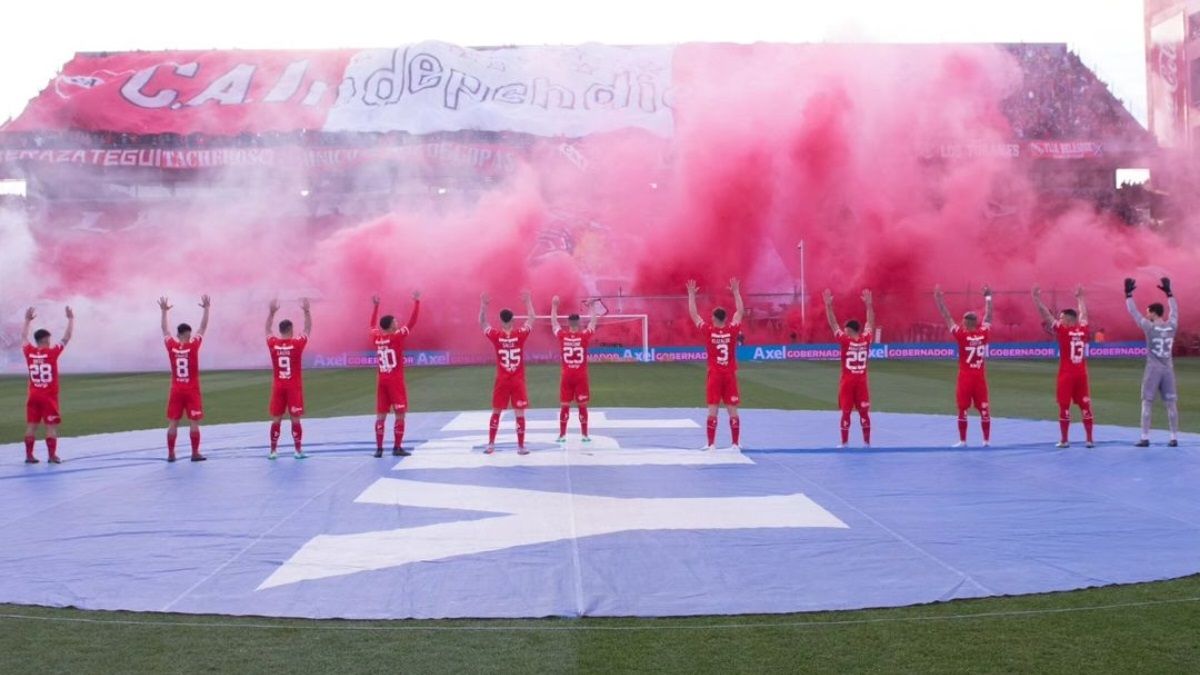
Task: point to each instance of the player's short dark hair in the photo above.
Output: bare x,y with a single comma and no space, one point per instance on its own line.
971,316
1156,309
573,317
719,314
1071,313
40,334
506,315
854,325
387,321
183,328
285,326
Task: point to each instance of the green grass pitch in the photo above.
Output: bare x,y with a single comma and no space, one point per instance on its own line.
1137,628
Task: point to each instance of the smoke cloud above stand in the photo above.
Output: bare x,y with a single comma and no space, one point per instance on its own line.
841,147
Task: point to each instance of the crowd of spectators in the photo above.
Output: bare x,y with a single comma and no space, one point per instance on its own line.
1060,98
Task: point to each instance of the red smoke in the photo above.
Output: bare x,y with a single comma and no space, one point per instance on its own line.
773,145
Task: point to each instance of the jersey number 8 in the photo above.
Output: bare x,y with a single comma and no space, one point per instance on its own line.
182,371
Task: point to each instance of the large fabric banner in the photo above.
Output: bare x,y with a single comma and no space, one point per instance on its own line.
548,91
420,89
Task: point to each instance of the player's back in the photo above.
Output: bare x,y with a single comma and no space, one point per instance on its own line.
389,351
510,350
855,353
287,358
42,363
573,348
1072,346
721,344
972,348
185,361
1160,342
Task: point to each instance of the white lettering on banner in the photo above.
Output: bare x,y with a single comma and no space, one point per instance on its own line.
549,91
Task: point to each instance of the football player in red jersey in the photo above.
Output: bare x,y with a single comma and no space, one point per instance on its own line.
574,386
509,343
721,341
41,407
287,385
972,388
183,352
391,393
854,391
1071,331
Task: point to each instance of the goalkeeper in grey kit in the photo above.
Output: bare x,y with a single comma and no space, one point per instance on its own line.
1159,378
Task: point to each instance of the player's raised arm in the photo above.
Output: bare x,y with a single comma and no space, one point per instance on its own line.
416,310
1083,317
30,315
1165,287
165,306
484,300
692,289
739,310
205,304
830,316
940,298
70,327
1042,309
306,307
529,310
554,326
374,312
869,301
1131,306
987,305
271,310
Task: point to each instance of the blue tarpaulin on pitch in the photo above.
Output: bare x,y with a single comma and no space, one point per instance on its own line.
638,522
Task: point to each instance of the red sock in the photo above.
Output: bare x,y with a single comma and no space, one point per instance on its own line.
712,429
564,415
521,431
379,435
195,438
735,429
1088,421
583,419
29,440
274,436
1064,423
297,433
52,446
845,427
398,432
493,427
962,425
864,418
171,444
986,424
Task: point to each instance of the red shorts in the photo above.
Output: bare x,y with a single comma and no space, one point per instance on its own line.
574,387
1073,388
722,387
972,390
286,399
391,394
185,401
510,390
41,408
854,393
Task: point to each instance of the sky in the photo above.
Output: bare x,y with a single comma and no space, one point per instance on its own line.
1106,33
